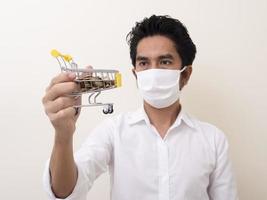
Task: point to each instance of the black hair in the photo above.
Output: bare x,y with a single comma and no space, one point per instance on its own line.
164,26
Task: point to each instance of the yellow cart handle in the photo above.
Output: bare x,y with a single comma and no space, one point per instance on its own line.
117,79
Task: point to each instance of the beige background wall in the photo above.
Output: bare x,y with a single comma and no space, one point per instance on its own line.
228,87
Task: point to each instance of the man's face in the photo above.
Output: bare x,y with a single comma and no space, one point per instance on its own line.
159,52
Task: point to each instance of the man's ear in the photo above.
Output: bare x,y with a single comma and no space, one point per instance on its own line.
134,73
185,76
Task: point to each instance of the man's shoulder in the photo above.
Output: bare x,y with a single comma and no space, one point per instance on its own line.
201,124
207,129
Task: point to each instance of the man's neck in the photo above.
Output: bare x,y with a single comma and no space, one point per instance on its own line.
163,118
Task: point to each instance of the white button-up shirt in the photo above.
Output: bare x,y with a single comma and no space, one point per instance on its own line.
190,163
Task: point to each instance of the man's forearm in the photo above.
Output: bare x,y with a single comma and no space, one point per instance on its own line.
63,169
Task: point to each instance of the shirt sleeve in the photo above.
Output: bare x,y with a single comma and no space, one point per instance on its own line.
222,184
92,159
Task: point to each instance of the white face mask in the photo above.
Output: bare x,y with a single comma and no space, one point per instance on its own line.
159,87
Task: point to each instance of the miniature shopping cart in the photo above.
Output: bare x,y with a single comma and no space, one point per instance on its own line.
91,81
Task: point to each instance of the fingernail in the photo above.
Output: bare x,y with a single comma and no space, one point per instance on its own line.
71,75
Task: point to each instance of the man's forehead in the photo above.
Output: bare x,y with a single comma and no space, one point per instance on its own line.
145,56
155,47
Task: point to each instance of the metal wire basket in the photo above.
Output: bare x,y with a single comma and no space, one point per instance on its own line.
92,81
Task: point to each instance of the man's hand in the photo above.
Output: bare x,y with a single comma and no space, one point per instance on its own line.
58,105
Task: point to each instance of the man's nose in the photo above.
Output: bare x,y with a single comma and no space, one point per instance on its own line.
154,65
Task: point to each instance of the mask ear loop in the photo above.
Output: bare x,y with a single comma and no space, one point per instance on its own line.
183,69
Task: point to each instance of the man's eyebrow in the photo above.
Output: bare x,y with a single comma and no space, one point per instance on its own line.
138,58
166,56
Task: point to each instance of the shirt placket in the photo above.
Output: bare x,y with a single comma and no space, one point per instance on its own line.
163,163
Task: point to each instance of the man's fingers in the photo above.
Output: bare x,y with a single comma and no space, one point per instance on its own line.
62,77
66,113
84,74
60,89
59,104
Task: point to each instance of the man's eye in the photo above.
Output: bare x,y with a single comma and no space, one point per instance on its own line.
142,63
166,62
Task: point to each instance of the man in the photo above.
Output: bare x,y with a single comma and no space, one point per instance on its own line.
155,153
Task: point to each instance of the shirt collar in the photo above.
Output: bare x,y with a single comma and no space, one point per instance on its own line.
140,115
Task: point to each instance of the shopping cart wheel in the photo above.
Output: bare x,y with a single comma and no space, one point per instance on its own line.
105,110
110,108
